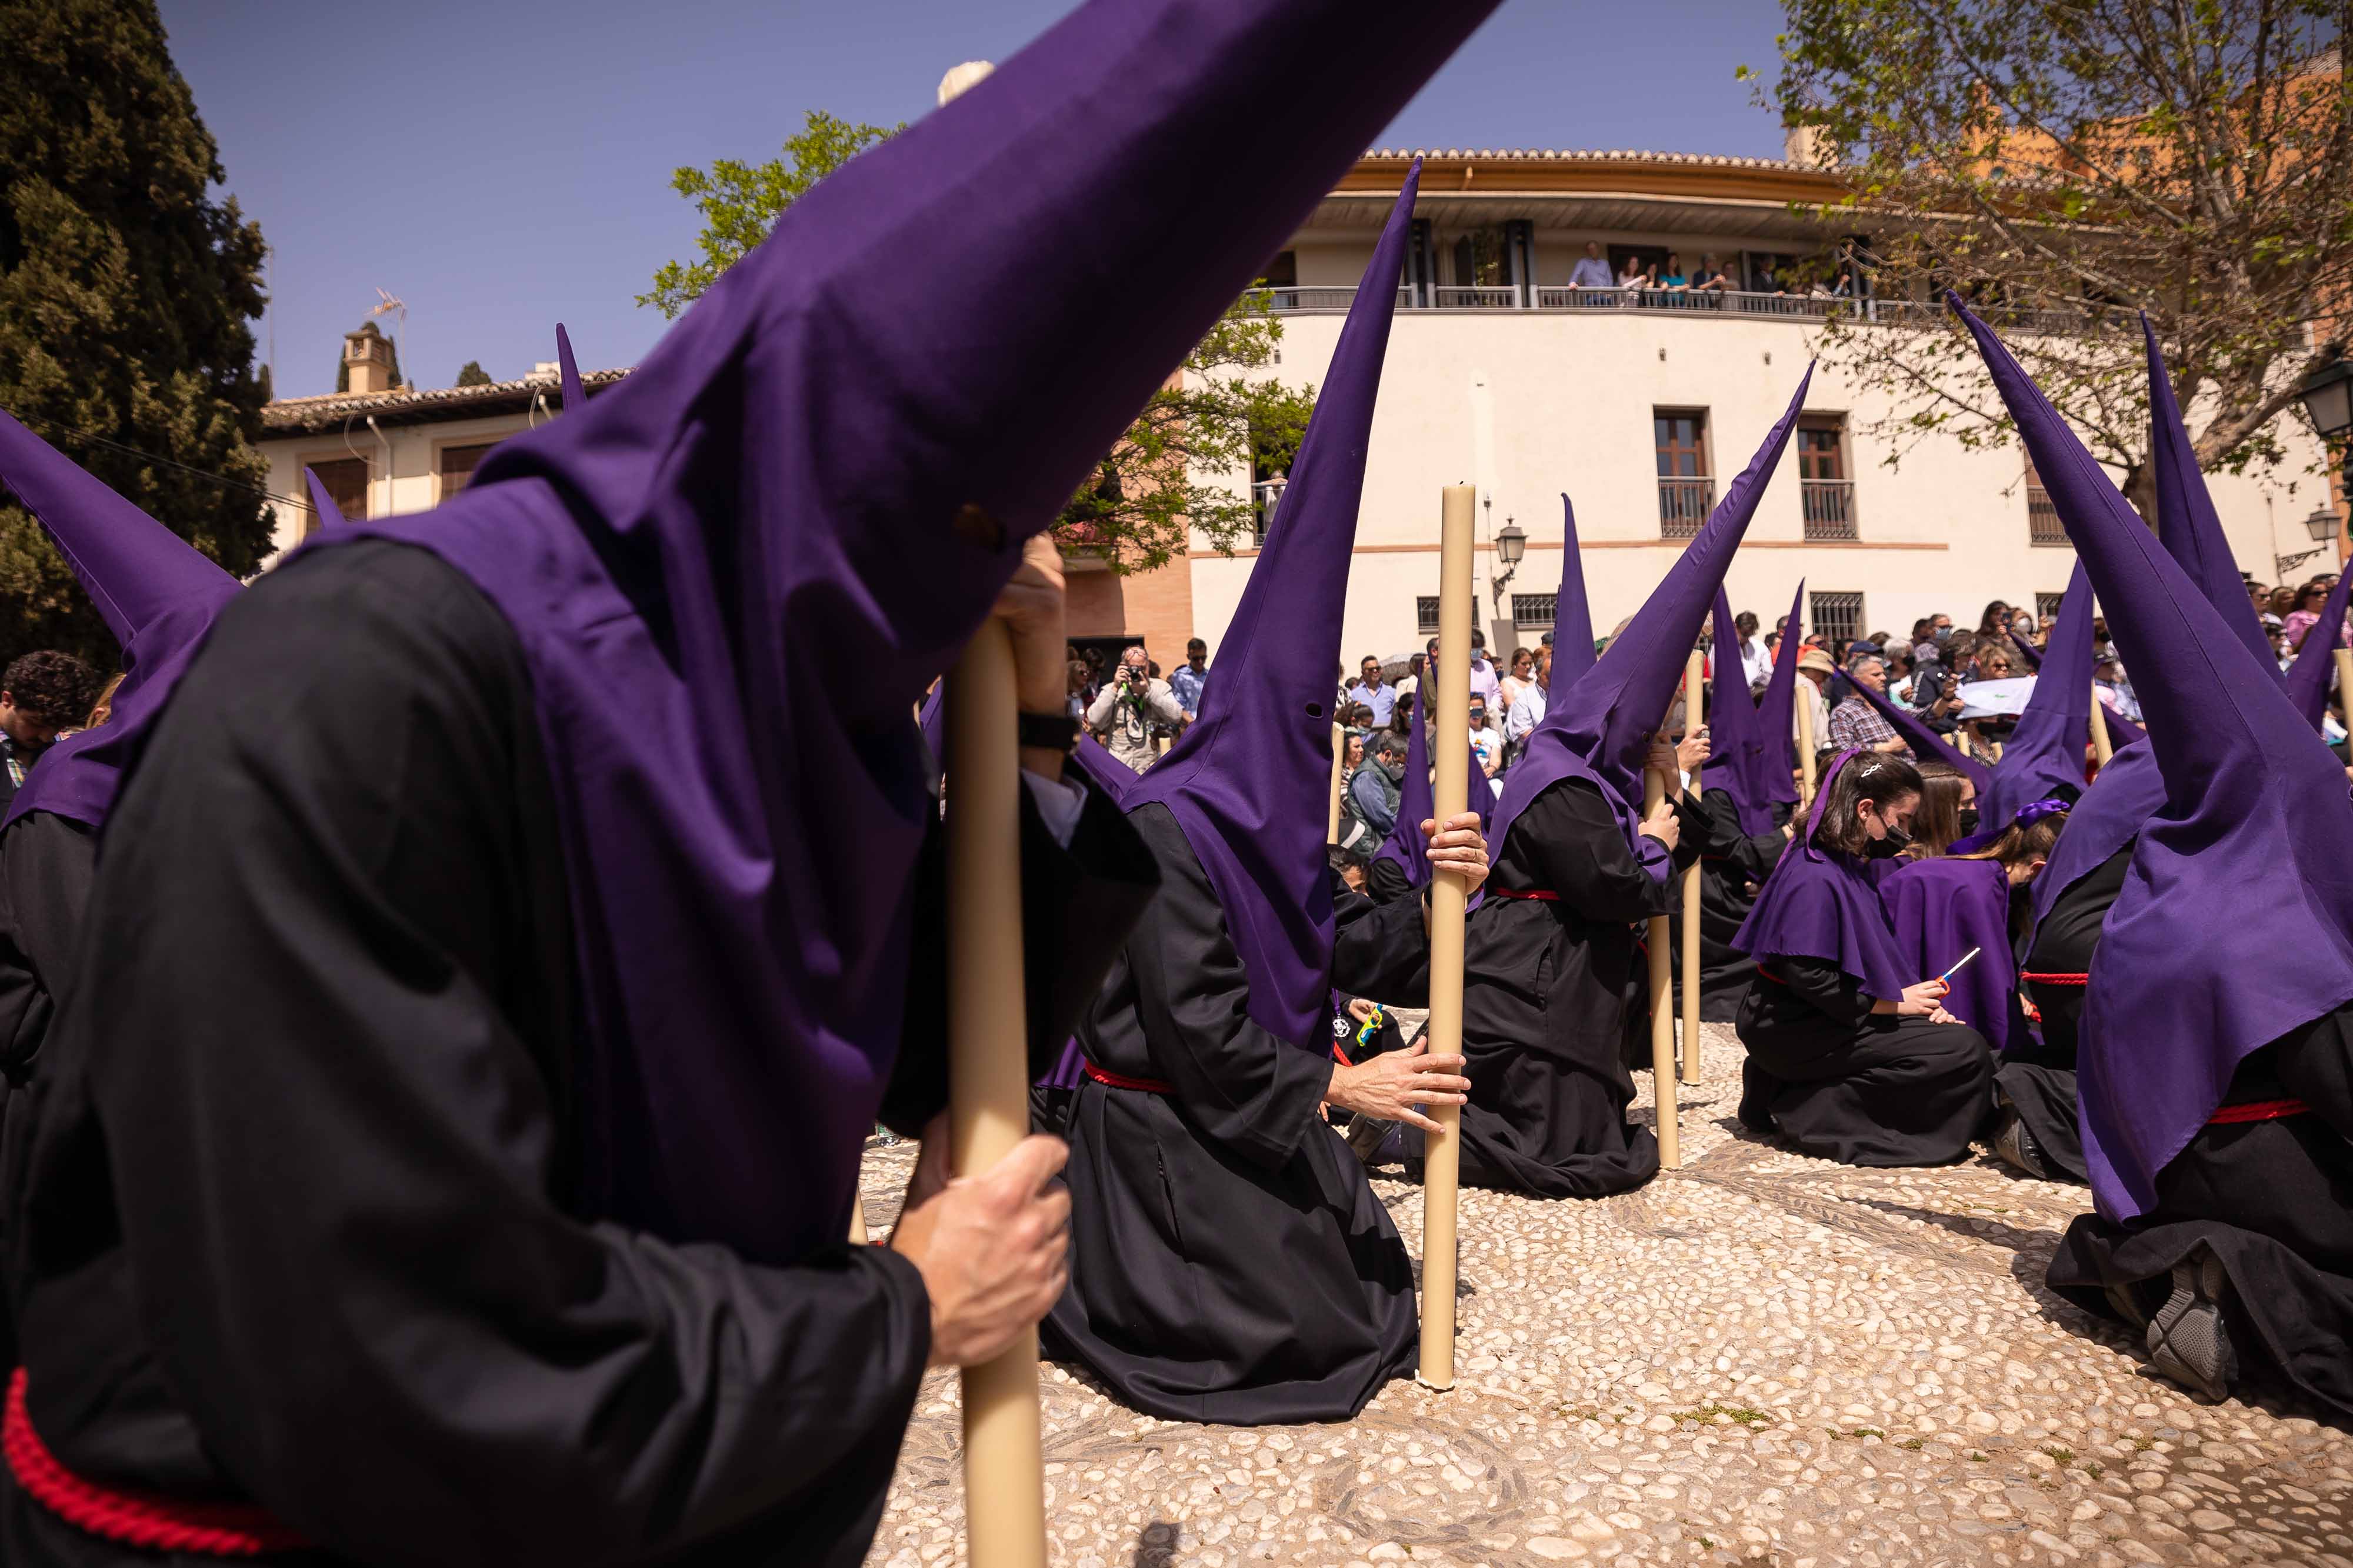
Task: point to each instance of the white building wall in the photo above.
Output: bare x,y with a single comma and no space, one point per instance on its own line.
404,464
1527,406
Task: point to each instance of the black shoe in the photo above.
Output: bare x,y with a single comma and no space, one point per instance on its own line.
2188,1341
2014,1145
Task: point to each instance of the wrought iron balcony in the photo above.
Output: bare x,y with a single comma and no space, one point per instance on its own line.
2042,524
1829,506
1683,505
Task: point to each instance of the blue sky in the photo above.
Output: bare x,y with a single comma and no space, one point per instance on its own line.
504,164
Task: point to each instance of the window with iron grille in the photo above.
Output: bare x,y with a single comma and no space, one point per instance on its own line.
1425,611
2046,606
2042,524
457,466
1837,618
345,481
1825,493
1686,492
1534,609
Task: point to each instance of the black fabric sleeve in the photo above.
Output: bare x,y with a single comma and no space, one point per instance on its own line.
309,965
1380,951
1246,1090
1077,905
1826,989
1582,855
1385,881
46,865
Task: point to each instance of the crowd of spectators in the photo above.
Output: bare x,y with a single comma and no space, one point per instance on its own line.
1137,713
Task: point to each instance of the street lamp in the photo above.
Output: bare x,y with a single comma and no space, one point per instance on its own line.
2322,526
2327,396
1511,543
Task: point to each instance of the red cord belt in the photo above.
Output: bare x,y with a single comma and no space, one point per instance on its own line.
1540,895
1110,1080
2257,1111
148,1521
2031,976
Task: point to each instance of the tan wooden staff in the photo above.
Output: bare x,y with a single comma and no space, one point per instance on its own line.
2101,747
1805,757
1442,1150
1339,759
1662,1008
857,1220
988,1056
2344,682
1693,674
988,1107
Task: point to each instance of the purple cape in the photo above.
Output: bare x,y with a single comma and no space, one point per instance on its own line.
1572,612
1925,743
2245,862
1775,716
1820,904
2315,660
1404,847
1599,727
2045,752
156,592
323,505
1741,758
1941,909
1247,781
732,575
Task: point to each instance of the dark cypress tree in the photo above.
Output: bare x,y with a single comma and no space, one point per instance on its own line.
125,294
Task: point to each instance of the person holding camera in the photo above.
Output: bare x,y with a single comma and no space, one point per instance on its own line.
1132,708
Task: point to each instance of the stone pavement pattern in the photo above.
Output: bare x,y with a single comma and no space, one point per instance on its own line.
1758,1358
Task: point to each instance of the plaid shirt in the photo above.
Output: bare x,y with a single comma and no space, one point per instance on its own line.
1855,723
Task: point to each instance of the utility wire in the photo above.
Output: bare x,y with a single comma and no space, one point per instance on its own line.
221,480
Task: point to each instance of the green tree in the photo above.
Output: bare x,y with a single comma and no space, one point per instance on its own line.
1173,469
125,294
473,374
2058,159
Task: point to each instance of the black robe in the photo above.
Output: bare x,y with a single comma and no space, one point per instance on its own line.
296,1225
1228,1260
1841,1082
2273,1201
1733,866
1555,1004
47,863
2039,1083
1386,881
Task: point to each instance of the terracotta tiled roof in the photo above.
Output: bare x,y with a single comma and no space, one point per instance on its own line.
288,415
1618,155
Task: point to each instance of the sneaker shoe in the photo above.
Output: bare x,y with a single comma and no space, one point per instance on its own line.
2014,1145
2188,1341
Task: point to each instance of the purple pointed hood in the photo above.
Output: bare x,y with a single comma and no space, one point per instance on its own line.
2188,979
323,505
156,592
1404,847
2044,754
1777,710
1742,755
567,373
1572,612
1247,779
1929,746
2026,650
2315,659
1820,904
1102,770
732,573
1600,726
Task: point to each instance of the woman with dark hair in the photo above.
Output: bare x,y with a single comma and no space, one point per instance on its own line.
1852,1056
1943,908
2310,601
1947,812
1995,621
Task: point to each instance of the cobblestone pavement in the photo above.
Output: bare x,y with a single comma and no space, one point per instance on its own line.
1758,1358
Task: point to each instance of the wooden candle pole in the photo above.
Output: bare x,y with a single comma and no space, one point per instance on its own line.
2344,683
1662,1008
1004,1464
857,1220
2101,747
1805,757
1339,759
1693,674
1442,1150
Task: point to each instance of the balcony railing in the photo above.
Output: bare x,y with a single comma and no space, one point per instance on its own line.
2042,524
1264,498
1332,298
1828,507
1683,505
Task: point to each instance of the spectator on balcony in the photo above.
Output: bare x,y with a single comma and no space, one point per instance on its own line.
1591,271
1373,691
1766,279
1133,709
1855,724
1670,276
1635,276
1190,677
1710,277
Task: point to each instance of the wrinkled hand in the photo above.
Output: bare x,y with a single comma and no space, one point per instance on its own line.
1694,751
1921,1000
1031,606
1661,759
993,1249
1661,824
1387,1088
1460,848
